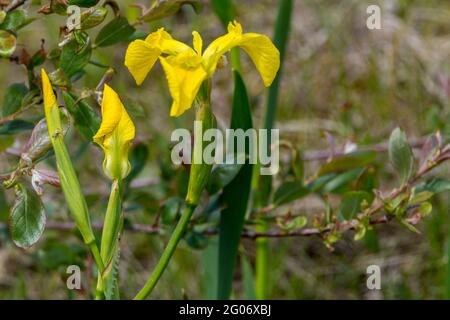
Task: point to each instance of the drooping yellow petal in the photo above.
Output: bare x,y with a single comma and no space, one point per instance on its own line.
115,135
140,58
47,92
184,82
263,53
260,48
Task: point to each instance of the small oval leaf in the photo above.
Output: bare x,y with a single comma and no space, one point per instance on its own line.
117,30
27,217
400,155
289,191
7,44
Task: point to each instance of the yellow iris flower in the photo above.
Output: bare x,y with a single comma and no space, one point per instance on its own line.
115,135
186,68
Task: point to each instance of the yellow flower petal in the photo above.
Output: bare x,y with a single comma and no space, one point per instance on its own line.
140,58
263,53
260,48
142,55
115,135
197,42
220,46
184,83
112,109
47,92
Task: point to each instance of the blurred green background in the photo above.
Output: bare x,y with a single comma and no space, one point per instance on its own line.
338,77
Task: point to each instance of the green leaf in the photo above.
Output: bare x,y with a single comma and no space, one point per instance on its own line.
282,30
6,142
221,176
248,279
86,120
37,59
289,191
292,224
425,209
409,226
348,162
39,143
351,204
162,9
83,3
110,275
117,30
421,197
400,155
196,240
435,186
14,20
27,217
360,232
138,158
170,210
15,126
341,180
4,207
235,197
7,44
74,58
13,99
298,165
93,17
210,260
224,9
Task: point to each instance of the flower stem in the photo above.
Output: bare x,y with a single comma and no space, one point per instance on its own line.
110,233
168,252
262,263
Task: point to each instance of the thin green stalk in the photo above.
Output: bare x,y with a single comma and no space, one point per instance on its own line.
70,184
168,252
262,264
111,226
110,233
282,28
198,178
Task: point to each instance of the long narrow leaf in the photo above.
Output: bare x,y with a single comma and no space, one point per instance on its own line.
235,197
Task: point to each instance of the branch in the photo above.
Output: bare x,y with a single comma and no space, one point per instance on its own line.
249,234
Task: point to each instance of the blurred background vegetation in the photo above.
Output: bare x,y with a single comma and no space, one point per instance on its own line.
339,77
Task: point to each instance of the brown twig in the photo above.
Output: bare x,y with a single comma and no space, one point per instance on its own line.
249,234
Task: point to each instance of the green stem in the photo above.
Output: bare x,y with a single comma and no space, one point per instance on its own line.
98,261
168,252
262,263
111,226
111,229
